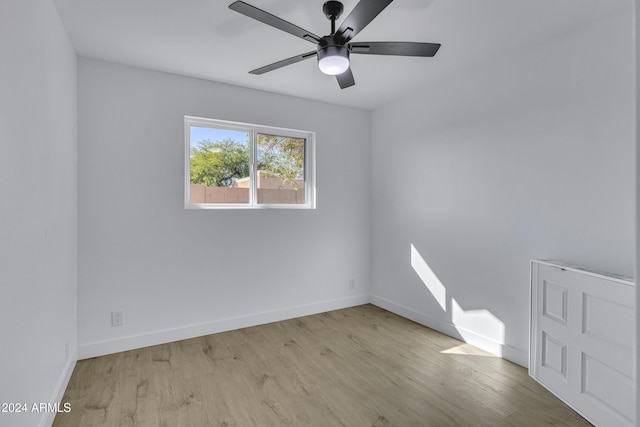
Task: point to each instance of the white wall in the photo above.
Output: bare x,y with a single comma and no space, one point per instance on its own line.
636,5
530,156
38,208
180,273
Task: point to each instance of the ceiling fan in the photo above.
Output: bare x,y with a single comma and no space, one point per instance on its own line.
333,50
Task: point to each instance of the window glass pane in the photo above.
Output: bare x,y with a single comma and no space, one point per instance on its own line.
239,165
280,176
219,165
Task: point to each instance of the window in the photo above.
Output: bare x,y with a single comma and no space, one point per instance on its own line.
238,165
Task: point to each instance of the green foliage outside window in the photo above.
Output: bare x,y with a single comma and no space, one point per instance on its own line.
219,163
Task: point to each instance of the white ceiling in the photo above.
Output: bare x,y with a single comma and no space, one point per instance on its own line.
205,39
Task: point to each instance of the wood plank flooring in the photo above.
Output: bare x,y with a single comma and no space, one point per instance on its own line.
360,366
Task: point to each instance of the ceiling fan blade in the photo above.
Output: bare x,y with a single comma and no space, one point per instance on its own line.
360,17
345,79
283,63
272,20
395,48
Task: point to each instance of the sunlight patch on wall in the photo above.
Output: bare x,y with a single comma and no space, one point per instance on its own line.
479,327
429,278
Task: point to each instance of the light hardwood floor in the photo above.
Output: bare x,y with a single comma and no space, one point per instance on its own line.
360,366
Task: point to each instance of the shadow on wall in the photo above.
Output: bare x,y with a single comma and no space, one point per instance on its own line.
477,327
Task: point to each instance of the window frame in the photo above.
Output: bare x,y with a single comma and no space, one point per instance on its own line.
253,130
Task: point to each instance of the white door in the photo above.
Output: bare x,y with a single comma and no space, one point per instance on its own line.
582,335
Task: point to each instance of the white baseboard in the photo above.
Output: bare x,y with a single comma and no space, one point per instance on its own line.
61,387
508,352
101,348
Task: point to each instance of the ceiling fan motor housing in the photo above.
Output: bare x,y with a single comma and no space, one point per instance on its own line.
332,45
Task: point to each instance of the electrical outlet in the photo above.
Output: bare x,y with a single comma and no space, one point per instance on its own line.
352,284
117,318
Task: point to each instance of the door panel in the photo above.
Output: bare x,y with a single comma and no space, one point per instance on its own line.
582,335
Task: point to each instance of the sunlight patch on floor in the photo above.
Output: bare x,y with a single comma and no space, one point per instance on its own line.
467,350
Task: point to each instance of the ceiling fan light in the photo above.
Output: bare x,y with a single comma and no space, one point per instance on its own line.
333,60
333,65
